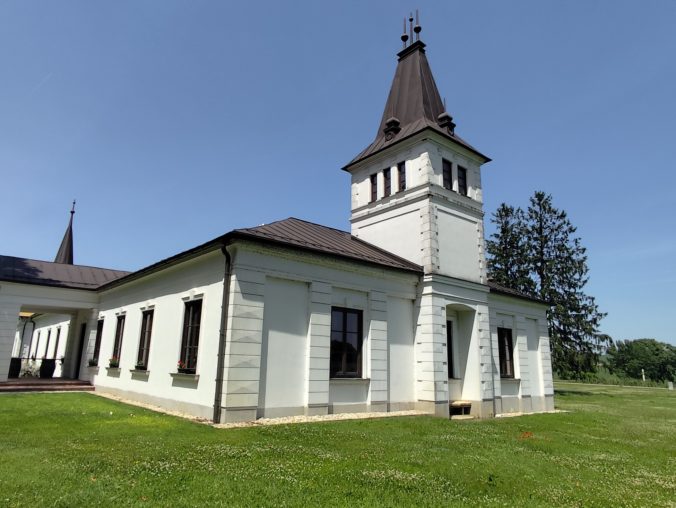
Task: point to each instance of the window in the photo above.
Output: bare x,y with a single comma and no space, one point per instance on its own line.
346,342
144,340
388,181
49,338
448,174
374,188
97,343
506,352
56,346
119,332
449,348
401,169
191,335
462,180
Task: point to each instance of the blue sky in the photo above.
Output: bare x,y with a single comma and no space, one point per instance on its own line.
174,122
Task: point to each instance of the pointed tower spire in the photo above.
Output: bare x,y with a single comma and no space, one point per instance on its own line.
65,253
414,103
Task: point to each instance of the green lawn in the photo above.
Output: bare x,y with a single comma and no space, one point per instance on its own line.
617,447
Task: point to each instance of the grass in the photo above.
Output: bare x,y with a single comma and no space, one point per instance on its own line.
617,447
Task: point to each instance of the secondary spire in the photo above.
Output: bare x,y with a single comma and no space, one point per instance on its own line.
65,253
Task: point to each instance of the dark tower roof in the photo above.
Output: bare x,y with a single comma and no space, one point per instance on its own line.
413,105
65,253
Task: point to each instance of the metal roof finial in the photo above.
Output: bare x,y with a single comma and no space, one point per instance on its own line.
404,36
410,23
72,210
417,28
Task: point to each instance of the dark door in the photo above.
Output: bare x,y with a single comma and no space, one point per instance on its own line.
83,330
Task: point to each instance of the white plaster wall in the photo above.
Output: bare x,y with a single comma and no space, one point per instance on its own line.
16,297
260,273
532,360
49,325
401,350
284,349
44,324
458,245
396,230
166,292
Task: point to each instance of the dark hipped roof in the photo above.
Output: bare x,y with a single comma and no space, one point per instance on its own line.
46,273
498,288
294,233
415,102
307,235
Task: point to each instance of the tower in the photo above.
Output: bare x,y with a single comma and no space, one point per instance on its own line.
416,189
65,252
416,192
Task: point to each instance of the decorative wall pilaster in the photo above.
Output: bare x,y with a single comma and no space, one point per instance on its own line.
319,349
9,317
243,347
378,393
430,353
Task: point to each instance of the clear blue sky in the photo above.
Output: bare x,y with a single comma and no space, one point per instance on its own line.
174,122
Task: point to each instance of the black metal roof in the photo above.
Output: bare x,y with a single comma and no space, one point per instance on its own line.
309,236
46,273
414,102
504,290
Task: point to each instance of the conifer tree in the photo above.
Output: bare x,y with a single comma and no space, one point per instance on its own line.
542,244
507,250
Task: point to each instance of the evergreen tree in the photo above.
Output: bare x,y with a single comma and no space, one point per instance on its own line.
507,250
556,265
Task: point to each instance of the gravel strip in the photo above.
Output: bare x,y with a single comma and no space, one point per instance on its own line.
262,421
317,418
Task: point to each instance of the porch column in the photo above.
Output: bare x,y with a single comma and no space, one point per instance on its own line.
430,354
9,316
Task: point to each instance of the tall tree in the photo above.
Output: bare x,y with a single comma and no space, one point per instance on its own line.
556,264
508,252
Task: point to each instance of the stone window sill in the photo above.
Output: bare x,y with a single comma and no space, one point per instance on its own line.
185,377
349,380
139,372
113,369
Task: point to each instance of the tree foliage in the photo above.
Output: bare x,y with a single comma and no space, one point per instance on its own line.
537,253
629,357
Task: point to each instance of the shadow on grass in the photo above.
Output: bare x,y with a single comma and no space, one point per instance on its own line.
574,392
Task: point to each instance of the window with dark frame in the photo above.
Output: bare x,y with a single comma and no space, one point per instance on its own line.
191,335
144,340
119,333
97,342
387,177
462,180
401,170
374,187
447,170
506,352
56,346
49,339
449,348
346,343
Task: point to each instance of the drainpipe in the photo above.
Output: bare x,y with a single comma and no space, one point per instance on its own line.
222,333
492,370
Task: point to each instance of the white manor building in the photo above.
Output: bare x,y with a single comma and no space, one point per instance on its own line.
295,318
